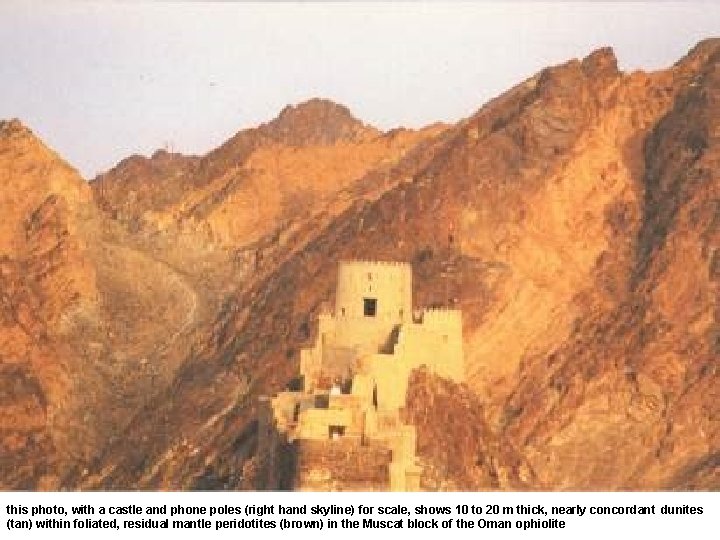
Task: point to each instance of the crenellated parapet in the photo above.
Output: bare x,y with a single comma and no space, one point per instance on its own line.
442,315
365,263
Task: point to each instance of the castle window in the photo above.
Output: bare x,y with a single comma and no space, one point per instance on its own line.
296,384
322,401
335,432
369,307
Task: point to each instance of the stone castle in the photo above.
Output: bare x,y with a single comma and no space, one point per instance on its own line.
339,427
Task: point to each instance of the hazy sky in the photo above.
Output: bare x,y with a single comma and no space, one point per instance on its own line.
99,81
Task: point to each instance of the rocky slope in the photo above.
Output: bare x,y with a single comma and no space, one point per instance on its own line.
83,339
259,181
107,287
572,219
46,284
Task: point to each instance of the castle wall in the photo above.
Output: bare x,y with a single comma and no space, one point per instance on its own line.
357,441
435,343
311,359
386,428
341,465
310,363
283,408
386,375
404,471
362,336
315,423
276,466
338,362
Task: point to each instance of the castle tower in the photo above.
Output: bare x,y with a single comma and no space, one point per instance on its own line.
380,291
372,300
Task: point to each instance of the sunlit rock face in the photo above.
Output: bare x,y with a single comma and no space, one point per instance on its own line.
573,220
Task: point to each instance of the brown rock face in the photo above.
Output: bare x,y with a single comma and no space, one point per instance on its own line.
317,122
573,220
458,449
314,158
639,372
340,467
46,285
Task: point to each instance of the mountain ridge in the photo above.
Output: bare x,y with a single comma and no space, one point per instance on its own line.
560,217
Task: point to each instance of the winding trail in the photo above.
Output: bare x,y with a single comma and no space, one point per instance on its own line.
162,278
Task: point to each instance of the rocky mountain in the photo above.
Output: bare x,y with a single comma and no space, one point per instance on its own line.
573,220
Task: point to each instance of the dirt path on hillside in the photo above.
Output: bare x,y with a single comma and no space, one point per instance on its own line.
149,303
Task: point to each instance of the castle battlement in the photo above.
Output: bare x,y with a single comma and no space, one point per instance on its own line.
362,263
441,315
439,311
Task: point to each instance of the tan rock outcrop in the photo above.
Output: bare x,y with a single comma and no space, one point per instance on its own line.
572,220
